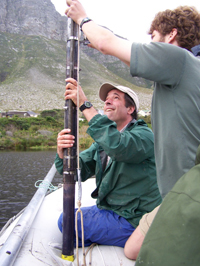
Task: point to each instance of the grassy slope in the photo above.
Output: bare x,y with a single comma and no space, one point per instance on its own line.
32,74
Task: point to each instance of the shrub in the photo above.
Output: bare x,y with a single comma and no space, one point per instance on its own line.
25,130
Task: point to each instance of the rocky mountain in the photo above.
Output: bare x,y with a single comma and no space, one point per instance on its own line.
32,17
33,58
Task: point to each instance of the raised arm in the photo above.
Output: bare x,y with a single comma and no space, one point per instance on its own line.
100,38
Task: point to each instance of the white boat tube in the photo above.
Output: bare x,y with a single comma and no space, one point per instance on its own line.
11,247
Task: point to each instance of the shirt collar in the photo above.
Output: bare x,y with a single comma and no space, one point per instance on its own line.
128,125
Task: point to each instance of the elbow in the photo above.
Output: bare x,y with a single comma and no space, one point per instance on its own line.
103,47
132,255
133,244
104,43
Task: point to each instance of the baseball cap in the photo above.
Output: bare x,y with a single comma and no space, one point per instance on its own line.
106,87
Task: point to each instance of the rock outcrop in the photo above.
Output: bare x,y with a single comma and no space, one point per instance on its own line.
32,17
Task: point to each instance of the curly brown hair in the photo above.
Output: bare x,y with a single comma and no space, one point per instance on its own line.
185,19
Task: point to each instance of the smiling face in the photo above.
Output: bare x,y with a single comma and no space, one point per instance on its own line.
116,110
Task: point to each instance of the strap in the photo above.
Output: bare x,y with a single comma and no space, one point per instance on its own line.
85,20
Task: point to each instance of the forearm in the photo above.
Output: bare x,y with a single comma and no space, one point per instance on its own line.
106,42
90,113
100,39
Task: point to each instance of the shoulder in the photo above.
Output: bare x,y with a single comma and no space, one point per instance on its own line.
140,124
141,127
156,46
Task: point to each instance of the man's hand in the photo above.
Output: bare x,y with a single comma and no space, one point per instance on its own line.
75,11
72,91
64,140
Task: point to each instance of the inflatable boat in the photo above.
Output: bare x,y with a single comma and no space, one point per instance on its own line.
32,237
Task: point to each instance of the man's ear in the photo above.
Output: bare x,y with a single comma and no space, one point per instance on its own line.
131,109
172,36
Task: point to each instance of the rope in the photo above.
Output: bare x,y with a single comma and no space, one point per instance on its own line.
78,169
76,220
90,249
82,227
77,108
79,181
82,230
45,184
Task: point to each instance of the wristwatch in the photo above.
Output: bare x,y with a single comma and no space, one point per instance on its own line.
85,20
84,106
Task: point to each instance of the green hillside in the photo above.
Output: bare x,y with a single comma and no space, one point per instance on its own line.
32,75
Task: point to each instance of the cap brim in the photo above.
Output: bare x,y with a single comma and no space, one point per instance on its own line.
104,89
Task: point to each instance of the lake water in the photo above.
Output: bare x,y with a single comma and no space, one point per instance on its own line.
18,173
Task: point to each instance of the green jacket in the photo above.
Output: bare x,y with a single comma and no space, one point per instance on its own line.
128,184
173,238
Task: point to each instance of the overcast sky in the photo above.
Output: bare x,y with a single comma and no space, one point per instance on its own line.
128,18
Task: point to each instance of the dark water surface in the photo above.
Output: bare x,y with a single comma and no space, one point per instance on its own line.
18,173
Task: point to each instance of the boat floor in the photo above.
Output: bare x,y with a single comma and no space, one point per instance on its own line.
42,245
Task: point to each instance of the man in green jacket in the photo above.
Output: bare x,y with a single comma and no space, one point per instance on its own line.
122,160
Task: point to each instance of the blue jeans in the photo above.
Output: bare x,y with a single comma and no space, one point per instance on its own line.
103,227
